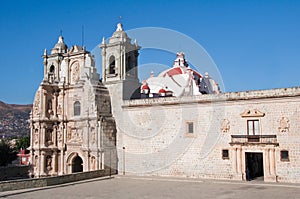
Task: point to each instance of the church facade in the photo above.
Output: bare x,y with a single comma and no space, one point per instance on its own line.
176,124
72,128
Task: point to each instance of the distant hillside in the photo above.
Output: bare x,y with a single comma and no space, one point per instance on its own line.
14,120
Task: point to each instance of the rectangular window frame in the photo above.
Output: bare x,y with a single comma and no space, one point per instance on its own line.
225,154
253,127
190,129
286,157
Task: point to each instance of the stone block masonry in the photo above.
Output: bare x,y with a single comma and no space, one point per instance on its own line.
153,136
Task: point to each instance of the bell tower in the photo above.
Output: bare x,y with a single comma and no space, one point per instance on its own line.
119,63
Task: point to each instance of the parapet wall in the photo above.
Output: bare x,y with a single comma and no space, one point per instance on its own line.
49,181
230,96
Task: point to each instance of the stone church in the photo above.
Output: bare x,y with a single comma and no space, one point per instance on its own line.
177,123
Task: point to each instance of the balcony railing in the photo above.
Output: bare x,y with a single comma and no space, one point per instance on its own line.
254,139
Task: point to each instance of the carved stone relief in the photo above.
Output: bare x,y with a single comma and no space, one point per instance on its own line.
75,72
93,163
75,135
59,136
225,126
36,136
284,125
48,163
59,110
49,134
36,104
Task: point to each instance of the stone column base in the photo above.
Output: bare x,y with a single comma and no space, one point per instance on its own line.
238,177
271,178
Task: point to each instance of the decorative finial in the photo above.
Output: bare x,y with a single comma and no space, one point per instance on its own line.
152,73
45,52
135,42
60,39
103,40
119,27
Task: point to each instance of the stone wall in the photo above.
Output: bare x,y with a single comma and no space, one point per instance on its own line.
154,139
49,181
13,172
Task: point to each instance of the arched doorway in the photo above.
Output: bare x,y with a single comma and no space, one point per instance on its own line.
77,165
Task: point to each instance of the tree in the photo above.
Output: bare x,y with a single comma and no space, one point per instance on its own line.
22,143
7,153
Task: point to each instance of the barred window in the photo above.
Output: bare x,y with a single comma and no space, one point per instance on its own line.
225,154
190,127
76,108
284,155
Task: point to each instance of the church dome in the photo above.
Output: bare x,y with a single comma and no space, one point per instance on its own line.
119,35
60,46
181,80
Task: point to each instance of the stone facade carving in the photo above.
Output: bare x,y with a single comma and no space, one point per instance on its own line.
36,136
59,136
148,156
284,125
75,72
76,135
36,104
59,110
225,126
48,163
93,135
49,135
252,113
93,163
54,138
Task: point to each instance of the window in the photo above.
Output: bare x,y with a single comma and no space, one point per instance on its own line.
284,155
190,127
128,64
112,65
52,69
76,108
253,127
225,154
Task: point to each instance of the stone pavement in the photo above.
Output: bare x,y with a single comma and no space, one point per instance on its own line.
158,187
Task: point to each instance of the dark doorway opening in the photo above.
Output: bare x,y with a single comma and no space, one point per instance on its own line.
77,165
254,166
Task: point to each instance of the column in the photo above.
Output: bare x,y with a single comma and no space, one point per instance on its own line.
62,168
43,162
234,159
104,64
238,162
272,163
54,135
267,163
243,166
44,105
54,163
43,135
55,104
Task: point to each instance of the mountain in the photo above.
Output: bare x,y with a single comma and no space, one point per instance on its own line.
14,120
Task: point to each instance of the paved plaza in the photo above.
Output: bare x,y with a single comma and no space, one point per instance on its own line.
157,187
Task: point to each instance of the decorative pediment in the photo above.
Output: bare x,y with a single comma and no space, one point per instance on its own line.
252,113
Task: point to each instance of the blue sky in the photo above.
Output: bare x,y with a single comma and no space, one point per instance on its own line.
255,44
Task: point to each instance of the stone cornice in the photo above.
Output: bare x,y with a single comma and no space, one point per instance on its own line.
214,98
